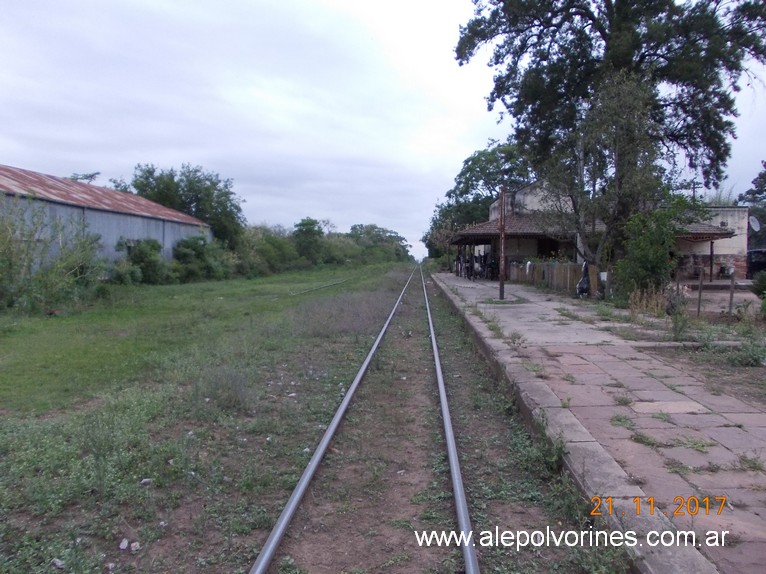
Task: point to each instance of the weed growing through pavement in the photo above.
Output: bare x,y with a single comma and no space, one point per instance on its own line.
622,421
694,443
623,400
750,463
645,439
516,340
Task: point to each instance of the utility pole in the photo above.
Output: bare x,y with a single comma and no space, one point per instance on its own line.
502,243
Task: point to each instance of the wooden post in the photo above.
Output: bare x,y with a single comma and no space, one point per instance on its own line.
593,277
699,291
501,295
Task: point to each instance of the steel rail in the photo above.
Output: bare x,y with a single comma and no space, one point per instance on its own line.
272,542
458,492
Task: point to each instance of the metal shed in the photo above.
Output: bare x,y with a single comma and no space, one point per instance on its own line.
111,214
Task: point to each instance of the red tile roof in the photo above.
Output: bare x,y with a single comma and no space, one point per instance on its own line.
533,225
17,181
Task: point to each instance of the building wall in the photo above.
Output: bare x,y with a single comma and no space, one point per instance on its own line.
520,248
112,227
729,253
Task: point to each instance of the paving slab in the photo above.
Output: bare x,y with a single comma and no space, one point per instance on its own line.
685,442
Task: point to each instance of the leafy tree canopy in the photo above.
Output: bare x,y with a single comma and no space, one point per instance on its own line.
307,235
486,170
193,191
477,185
755,197
549,55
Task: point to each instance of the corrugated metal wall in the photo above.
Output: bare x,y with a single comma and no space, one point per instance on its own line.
115,226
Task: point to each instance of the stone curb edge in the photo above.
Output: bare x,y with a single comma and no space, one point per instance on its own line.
542,411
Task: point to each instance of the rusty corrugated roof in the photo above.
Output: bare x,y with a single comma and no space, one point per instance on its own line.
23,182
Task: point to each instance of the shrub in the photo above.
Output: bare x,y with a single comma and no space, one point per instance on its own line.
759,284
196,259
44,261
125,273
647,263
146,255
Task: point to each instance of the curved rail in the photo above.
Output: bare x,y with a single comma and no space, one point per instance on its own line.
461,505
464,522
272,542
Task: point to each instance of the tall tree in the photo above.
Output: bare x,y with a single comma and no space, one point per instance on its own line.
485,171
193,191
308,236
477,185
755,198
549,56
603,174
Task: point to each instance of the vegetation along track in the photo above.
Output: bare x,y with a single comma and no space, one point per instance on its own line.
390,473
179,456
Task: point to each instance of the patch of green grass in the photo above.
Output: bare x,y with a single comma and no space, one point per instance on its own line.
622,421
171,439
533,367
569,314
750,463
645,439
623,400
694,443
677,467
516,339
52,363
661,416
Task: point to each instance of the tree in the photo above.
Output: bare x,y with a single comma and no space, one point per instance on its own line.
477,185
379,244
551,54
485,171
86,177
193,191
308,236
755,197
650,241
602,175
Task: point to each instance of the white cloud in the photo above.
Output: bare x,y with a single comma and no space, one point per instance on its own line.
344,110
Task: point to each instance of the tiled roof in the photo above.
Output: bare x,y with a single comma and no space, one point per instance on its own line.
17,181
533,225
701,231
516,225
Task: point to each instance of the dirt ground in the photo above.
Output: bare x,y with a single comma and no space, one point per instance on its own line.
716,302
387,475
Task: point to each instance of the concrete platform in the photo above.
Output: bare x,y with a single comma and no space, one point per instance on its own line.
634,427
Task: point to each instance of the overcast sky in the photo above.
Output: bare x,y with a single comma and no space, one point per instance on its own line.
346,110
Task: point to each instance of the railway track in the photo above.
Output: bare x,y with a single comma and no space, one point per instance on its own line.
460,506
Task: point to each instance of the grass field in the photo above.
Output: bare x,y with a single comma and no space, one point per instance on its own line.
162,429
177,416
137,334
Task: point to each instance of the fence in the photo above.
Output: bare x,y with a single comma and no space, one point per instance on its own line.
557,276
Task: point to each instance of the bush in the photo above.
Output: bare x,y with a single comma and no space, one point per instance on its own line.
647,263
44,261
196,260
146,255
125,273
759,284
